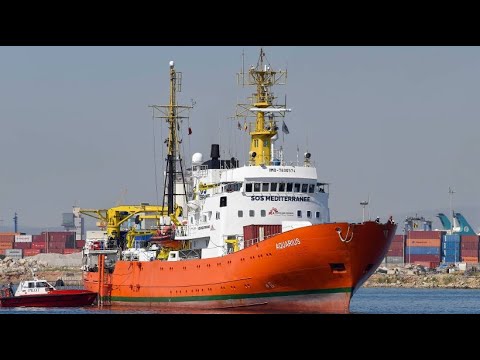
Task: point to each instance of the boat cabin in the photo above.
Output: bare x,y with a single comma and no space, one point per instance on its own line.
33,287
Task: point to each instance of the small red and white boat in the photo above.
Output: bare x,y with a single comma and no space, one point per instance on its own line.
40,293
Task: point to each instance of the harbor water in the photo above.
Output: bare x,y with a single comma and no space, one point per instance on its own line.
365,301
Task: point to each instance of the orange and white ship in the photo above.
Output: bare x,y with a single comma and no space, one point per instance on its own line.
256,235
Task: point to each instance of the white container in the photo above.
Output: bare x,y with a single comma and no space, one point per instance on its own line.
23,238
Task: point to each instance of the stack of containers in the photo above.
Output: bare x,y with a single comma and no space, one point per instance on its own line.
57,241
396,250
6,241
451,248
469,249
23,242
423,248
38,245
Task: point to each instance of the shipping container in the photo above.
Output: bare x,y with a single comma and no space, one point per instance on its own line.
31,252
254,233
451,247
393,260
436,242
465,252
425,234
22,245
8,238
399,238
395,252
79,244
470,238
38,245
23,238
39,238
469,242
469,245
451,238
14,253
470,259
396,245
6,245
55,245
422,250
409,258
451,258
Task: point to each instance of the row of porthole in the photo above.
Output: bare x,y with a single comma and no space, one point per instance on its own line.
228,262
233,287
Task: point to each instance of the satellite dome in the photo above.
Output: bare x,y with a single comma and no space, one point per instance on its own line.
197,158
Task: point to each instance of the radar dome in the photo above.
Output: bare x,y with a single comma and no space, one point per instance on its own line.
197,158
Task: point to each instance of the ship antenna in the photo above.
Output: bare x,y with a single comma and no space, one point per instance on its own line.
171,113
451,191
262,108
243,67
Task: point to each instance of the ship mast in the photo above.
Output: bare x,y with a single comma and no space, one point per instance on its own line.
264,130
171,113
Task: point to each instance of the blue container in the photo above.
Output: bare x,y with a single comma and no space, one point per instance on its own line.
452,246
451,258
422,250
451,238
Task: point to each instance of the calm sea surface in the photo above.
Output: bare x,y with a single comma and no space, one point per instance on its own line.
365,301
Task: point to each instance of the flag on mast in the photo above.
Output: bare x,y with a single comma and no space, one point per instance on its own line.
285,128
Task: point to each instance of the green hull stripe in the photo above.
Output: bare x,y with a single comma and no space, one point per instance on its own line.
226,297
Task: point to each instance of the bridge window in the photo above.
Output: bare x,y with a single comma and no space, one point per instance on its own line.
217,215
309,214
256,187
281,187
289,187
251,213
297,187
248,187
263,213
317,214
299,213
311,188
273,187
240,213
223,201
304,188
265,187
255,142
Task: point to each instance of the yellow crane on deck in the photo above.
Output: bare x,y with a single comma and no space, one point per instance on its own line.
111,219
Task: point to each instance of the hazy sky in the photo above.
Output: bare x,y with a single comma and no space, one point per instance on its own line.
397,123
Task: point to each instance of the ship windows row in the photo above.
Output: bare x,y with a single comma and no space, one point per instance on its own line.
263,213
282,187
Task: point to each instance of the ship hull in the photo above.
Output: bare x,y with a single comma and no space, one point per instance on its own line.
314,269
56,298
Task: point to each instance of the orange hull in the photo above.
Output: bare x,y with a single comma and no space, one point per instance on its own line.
306,270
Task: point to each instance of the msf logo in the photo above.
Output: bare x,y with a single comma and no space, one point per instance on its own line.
273,211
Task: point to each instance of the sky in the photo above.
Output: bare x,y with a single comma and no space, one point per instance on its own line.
392,124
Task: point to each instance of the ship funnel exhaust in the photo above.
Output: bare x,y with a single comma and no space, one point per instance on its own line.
215,152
